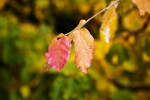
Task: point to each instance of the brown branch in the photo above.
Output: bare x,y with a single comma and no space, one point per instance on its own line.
130,87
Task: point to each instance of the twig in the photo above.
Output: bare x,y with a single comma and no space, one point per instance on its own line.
86,21
130,87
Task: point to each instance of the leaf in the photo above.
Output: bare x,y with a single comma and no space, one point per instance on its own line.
143,6
106,21
58,53
84,49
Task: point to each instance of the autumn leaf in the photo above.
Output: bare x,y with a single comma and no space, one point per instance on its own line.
84,49
58,53
106,21
143,6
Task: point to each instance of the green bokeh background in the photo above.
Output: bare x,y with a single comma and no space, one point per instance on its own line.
26,30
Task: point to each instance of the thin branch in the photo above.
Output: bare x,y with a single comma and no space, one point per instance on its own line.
86,21
130,87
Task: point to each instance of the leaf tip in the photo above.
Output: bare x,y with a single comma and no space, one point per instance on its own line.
106,32
46,67
107,40
57,68
84,69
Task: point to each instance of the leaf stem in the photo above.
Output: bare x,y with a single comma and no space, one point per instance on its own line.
93,17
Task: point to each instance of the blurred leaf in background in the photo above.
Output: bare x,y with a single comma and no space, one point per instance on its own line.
120,69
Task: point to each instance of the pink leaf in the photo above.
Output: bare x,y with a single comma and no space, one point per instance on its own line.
58,53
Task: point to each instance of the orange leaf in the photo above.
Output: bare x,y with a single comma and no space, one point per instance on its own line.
106,21
143,6
58,53
84,49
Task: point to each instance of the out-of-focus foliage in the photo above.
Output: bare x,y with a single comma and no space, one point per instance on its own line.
143,6
120,69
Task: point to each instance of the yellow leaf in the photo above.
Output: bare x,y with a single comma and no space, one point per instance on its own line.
106,21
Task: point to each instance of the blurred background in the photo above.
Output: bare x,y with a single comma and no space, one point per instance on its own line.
120,70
